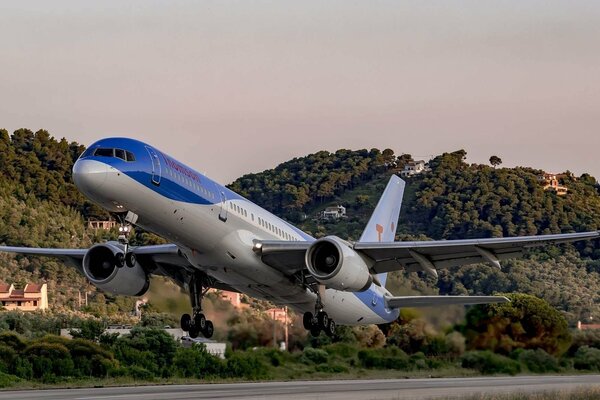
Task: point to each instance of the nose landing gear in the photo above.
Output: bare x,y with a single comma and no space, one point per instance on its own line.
197,323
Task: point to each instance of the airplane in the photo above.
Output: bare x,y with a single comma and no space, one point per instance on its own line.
218,239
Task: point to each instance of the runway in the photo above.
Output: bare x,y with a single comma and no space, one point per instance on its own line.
316,390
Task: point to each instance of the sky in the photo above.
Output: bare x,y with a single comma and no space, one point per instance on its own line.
234,87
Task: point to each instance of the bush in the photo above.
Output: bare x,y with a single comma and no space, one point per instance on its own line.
7,380
343,350
316,356
487,362
246,365
196,362
387,358
152,349
7,358
90,359
138,373
587,358
49,359
12,340
331,369
538,361
590,338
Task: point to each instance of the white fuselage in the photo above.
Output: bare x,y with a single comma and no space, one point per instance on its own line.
218,239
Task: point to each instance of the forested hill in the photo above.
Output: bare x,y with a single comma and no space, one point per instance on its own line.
40,206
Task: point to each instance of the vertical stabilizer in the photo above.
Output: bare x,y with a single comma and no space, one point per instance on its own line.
384,221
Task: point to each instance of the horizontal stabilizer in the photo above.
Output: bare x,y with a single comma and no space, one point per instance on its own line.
434,301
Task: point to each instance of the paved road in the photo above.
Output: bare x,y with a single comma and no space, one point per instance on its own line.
395,389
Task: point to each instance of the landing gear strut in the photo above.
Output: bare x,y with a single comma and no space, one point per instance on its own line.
129,258
197,323
319,321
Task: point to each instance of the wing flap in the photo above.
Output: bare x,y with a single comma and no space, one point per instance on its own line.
435,301
449,253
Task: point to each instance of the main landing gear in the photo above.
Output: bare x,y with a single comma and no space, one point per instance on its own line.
197,323
319,321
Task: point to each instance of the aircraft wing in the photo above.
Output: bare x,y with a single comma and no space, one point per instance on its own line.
434,301
165,260
427,256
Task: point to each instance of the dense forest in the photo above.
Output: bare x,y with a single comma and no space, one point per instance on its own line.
40,206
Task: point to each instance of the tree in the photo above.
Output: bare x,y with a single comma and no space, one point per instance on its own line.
525,322
495,161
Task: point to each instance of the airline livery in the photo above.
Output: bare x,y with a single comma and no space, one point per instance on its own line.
221,240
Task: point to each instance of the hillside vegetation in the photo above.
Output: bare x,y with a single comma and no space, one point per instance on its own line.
40,206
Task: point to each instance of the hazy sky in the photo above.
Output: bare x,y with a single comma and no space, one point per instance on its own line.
232,87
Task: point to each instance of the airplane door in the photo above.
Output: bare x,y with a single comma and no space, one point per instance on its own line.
223,213
156,173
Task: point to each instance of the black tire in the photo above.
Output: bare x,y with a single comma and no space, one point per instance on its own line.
315,331
323,320
194,331
130,260
200,321
307,320
120,260
330,331
186,322
209,330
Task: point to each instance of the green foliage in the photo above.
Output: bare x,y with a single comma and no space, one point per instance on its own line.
316,356
247,365
89,329
537,361
148,348
196,362
386,358
49,360
487,363
7,380
587,358
590,338
525,322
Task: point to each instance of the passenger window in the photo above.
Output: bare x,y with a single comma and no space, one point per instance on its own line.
104,152
130,156
120,154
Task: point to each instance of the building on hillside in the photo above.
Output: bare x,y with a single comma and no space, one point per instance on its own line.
31,298
584,327
333,213
104,225
412,168
234,298
550,182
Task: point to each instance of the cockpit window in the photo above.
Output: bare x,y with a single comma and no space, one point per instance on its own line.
120,154
130,156
88,152
104,152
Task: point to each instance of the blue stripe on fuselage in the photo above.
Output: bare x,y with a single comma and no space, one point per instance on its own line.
141,171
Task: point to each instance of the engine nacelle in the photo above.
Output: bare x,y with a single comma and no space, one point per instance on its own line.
103,265
333,263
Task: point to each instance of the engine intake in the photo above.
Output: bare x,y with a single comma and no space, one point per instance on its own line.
103,265
333,263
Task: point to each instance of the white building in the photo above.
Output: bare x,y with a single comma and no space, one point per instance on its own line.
335,212
413,168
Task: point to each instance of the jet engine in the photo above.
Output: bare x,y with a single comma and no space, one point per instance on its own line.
333,263
104,266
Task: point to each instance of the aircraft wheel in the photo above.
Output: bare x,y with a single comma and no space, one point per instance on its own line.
120,260
307,320
200,321
194,331
186,322
130,260
323,320
209,329
330,331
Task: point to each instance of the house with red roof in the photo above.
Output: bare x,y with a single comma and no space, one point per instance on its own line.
31,298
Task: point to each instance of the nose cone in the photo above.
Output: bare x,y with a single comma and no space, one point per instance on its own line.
89,176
